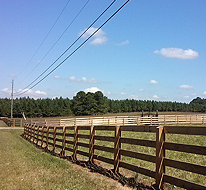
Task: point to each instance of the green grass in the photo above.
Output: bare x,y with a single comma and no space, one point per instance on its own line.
2,124
182,139
23,166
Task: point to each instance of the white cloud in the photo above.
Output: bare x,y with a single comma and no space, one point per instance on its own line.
204,93
83,79
135,97
40,92
123,43
123,93
155,97
153,82
28,92
194,94
187,97
98,39
57,77
31,93
6,90
178,53
73,79
141,90
186,86
92,89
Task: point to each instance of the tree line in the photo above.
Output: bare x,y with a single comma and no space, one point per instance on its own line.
92,104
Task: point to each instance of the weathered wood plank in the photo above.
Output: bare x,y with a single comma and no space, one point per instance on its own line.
86,145
183,183
137,155
137,169
139,128
83,136
104,148
104,128
201,150
83,153
190,167
140,142
185,130
103,159
104,138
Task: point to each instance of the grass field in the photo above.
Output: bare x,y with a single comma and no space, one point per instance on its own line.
181,156
23,166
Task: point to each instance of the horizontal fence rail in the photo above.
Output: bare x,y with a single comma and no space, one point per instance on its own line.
87,141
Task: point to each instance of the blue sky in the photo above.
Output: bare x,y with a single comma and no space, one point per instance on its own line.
151,50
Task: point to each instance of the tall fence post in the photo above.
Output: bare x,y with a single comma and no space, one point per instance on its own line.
14,122
63,141
21,122
25,130
117,147
42,137
164,120
75,142
54,141
91,143
47,137
160,155
37,138
33,133
31,130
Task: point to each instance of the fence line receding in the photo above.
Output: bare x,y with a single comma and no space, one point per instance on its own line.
83,140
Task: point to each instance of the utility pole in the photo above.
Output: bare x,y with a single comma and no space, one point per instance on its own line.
12,98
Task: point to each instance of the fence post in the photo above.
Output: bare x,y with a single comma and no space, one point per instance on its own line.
21,123
63,141
14,122
75,142
47,137
160,155
42,137
33,132
37,138
138,121
54,141
25,130
91,143
117,147
30,132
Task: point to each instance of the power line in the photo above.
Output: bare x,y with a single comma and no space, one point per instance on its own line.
56,40
45,37
69,46
78,47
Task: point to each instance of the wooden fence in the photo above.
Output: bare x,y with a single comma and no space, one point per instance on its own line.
68,139
199,119
6,120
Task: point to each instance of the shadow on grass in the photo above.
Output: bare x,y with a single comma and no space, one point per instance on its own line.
94,168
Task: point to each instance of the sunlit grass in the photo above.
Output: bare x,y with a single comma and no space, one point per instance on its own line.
23,166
